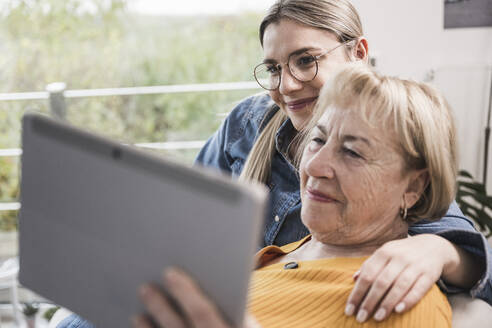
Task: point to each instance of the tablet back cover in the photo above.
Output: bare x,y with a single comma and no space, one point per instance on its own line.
99,218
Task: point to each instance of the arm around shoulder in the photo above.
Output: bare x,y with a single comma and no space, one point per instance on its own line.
470,266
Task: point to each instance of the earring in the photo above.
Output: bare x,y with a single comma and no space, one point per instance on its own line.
404,211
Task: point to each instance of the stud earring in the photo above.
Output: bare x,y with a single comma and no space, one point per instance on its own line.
404,210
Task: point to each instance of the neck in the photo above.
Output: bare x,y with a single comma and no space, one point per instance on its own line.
318,249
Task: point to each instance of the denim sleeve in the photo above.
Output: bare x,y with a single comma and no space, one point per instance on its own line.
230,145
74,321
459,230
214,152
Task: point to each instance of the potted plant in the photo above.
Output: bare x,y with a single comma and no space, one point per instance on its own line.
474,202
30,310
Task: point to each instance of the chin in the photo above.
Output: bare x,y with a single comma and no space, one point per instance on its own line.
314,222
317,221
298,123
299,119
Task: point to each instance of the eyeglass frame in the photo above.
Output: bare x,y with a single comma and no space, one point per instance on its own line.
316,58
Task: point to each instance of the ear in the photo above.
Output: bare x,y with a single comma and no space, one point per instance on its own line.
361,50
419,180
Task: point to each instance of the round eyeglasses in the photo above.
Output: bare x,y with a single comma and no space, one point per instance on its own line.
303,66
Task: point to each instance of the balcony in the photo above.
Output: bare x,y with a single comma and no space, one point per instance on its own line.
58,101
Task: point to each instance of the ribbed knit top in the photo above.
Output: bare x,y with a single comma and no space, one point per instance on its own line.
314,294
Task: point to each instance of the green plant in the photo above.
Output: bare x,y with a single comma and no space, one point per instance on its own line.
30,309
40,40
48,314
473,200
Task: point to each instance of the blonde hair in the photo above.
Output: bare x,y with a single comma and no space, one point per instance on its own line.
336,16
419,115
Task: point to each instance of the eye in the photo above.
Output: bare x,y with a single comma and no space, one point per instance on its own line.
305,61
318,140
272,69
350,152
315,143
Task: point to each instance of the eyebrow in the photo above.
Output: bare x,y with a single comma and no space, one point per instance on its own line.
349,138
321,128
296,52
345,137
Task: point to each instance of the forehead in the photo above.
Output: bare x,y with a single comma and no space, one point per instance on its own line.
286,36
339,121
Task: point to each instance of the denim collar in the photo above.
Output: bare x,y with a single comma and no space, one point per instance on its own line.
284,137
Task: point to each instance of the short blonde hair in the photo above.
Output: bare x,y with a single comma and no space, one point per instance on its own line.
419,115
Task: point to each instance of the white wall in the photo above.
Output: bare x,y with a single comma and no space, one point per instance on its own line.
408,39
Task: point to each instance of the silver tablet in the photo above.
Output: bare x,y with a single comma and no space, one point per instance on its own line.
99,218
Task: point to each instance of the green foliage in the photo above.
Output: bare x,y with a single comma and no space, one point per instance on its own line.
473,200
30,309
48,314
99,44
50,40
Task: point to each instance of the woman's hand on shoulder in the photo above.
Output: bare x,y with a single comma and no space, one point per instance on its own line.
397,276
196,309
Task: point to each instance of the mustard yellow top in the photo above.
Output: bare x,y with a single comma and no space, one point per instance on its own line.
315,294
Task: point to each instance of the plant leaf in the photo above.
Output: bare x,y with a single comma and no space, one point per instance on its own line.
465,174
479,187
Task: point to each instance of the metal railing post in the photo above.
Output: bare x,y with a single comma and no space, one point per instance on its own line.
57,99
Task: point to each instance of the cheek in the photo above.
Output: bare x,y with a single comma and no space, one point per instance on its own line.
275,95
374,190
328,69
302,173
360,186
317,84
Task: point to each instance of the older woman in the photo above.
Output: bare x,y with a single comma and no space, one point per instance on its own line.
381,156
304,42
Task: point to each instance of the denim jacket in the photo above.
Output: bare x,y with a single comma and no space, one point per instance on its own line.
229,147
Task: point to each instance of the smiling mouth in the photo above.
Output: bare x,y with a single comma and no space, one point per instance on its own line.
300,104
319,197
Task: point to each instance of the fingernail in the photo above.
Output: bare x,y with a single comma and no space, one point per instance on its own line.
361,316
356,275
171,275
400,307
144,290
139,321
380,314
136,320
349,309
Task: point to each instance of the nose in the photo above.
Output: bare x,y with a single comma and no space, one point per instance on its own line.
288,83
320,164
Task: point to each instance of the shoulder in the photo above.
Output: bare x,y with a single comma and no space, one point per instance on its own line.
250,111
243,123
433,308
230,145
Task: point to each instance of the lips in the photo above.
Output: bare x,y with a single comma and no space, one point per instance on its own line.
317,195
300,104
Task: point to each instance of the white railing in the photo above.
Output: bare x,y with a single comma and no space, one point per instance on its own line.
169,145
56,93
132,91
13,152
13,206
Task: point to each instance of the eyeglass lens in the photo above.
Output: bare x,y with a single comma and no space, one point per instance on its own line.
303,67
